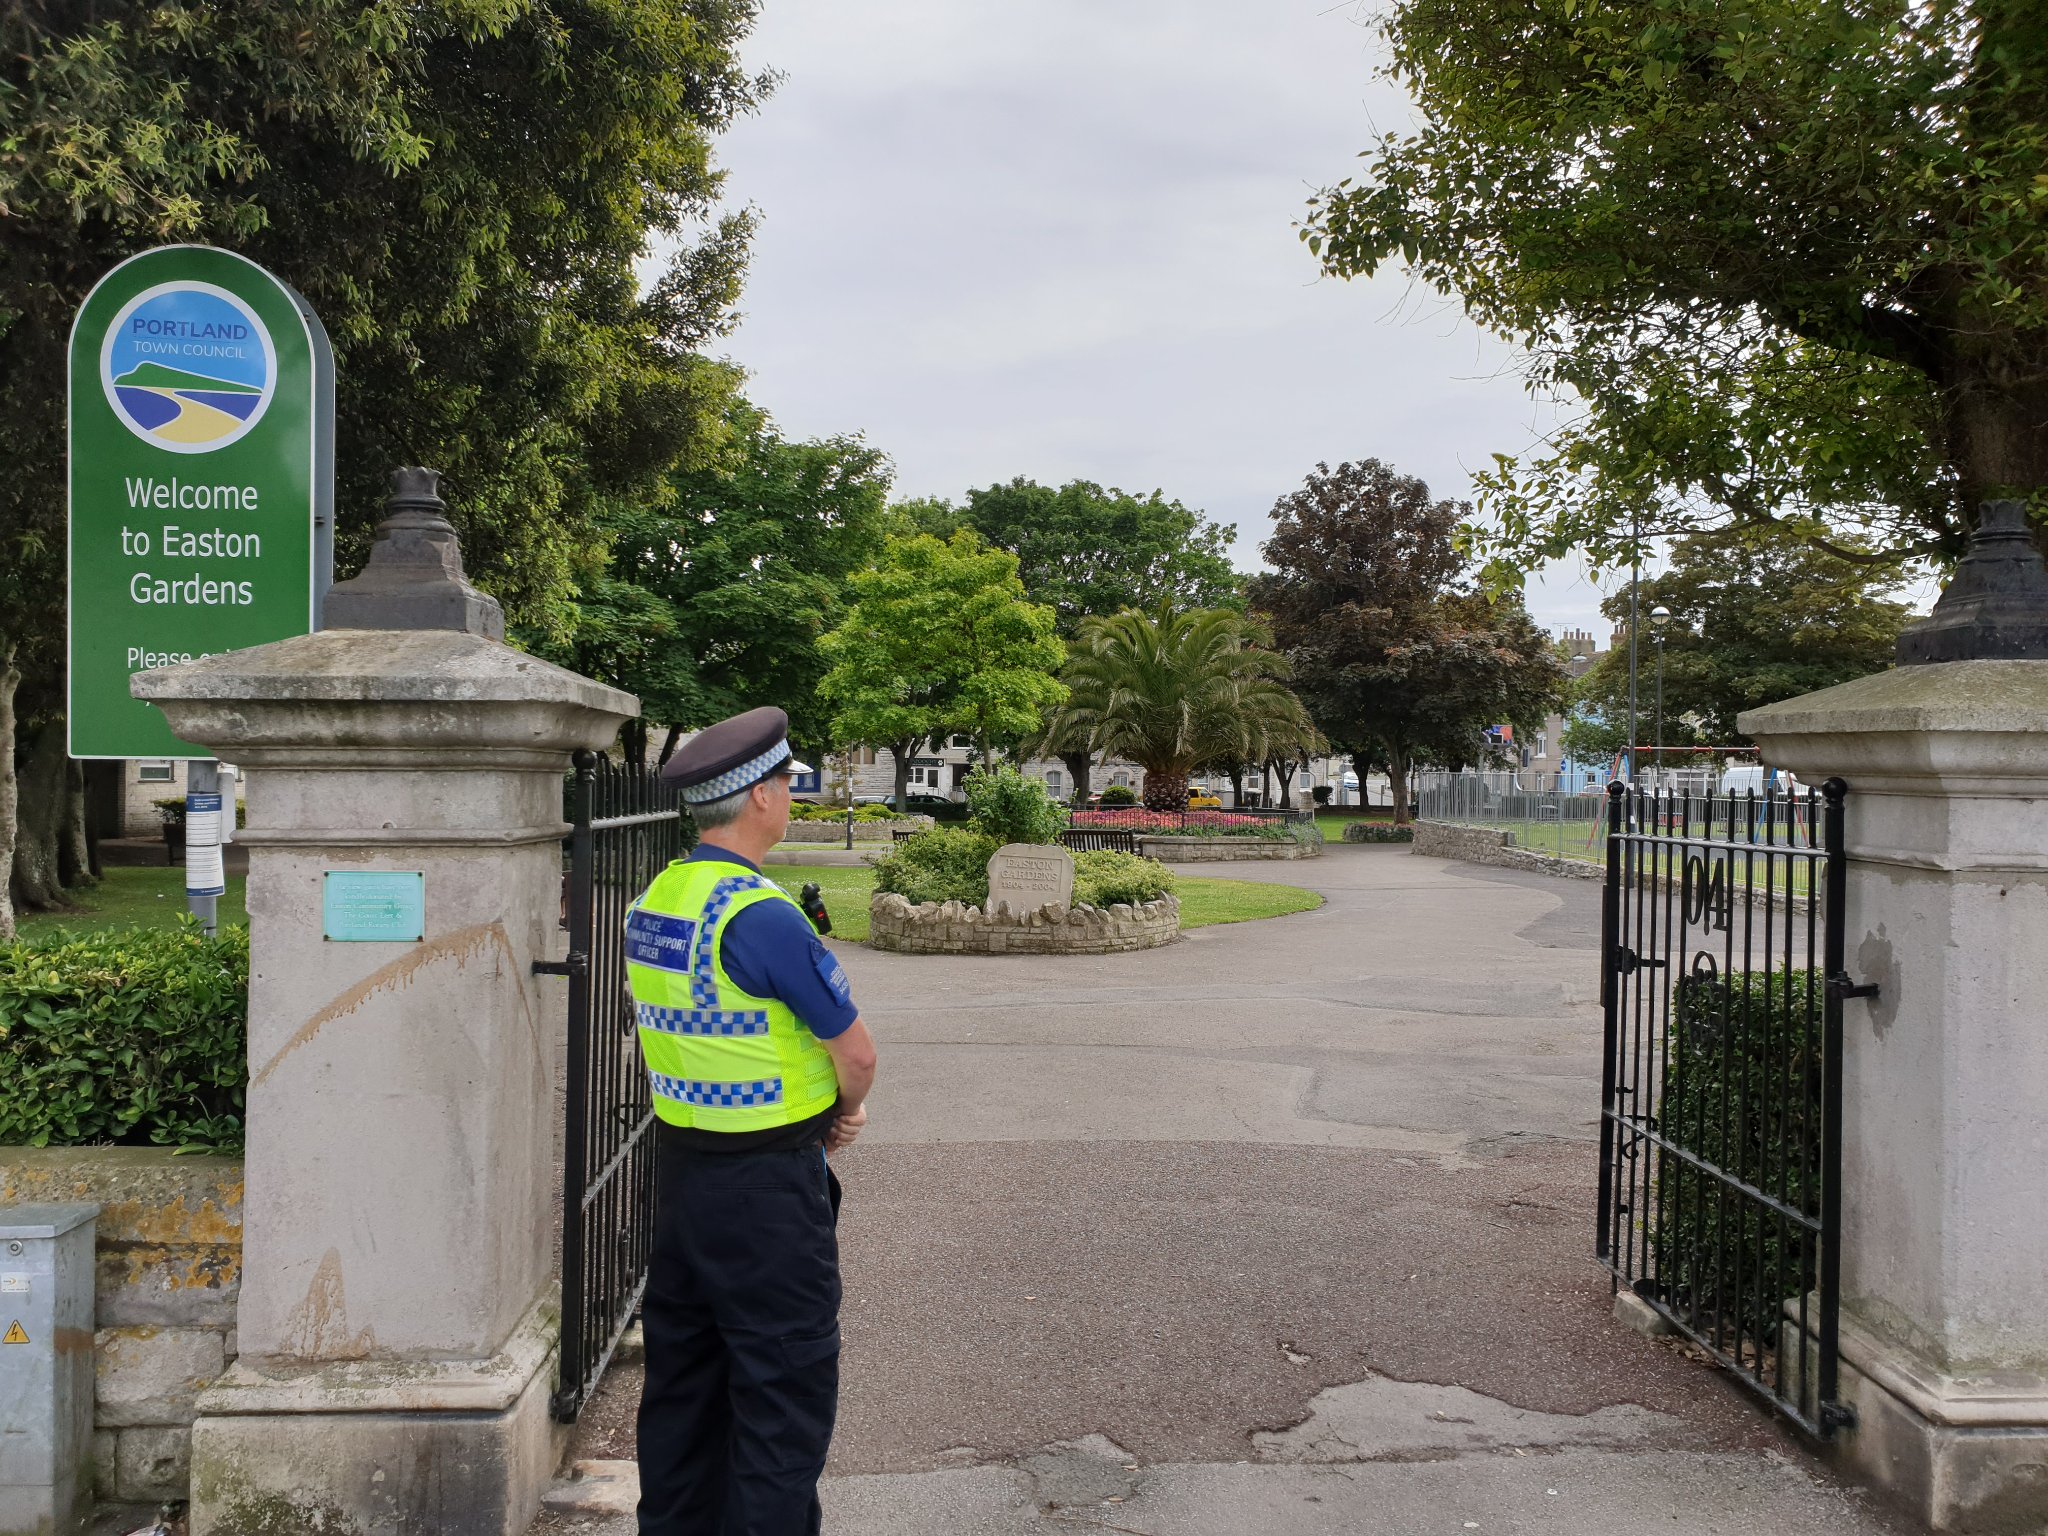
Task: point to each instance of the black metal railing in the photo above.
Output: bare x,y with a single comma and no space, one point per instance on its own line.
1721,1086
626,826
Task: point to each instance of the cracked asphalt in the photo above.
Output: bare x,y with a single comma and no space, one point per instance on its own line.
1284,1228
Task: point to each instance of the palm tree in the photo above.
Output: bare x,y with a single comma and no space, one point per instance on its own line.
1171,691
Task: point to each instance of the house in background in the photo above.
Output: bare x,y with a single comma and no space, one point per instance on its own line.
1543,761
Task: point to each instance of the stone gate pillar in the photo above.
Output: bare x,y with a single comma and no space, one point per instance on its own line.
397,1324
1945,1085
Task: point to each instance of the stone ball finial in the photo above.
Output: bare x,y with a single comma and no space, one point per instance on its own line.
414,578
1995,607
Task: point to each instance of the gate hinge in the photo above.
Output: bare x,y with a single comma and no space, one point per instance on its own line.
1840,987
575,963
1627,962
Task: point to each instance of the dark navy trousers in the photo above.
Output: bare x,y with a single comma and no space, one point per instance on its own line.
742,1324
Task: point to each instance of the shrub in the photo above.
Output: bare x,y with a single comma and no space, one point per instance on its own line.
1005,805
1322,793
1377,832
944,864
1119,794
802,811
1102,879
1741,1090
134,1037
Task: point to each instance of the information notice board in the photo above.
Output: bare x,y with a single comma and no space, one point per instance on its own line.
195,464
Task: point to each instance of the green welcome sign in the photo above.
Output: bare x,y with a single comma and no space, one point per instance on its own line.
197,446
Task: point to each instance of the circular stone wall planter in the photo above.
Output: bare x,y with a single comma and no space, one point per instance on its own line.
1168,849
949,928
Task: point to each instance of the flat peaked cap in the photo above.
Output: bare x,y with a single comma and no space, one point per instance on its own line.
733,755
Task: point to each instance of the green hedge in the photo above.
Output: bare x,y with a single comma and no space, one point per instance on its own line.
135,1037
1742,1090
944,864
1102,879
804,811
1377,832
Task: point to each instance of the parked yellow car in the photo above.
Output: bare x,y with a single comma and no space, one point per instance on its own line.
1198,800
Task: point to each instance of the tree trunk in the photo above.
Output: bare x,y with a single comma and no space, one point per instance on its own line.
633,741
10,679
901,752
669,743
1283,776
1998,438
74,848
1358,773
1166,789
1397,780
1236,785
39,814
1080,765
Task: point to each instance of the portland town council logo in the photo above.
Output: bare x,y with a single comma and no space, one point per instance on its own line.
188,367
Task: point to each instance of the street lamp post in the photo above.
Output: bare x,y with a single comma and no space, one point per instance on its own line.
1635,568
1660,617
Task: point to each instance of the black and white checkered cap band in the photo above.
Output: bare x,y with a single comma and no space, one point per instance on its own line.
733,780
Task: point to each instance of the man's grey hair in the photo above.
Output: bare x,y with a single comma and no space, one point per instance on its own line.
713,814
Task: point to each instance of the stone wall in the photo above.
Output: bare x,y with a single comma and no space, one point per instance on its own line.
1206,850
863,831
949,928
1490,845
169,1270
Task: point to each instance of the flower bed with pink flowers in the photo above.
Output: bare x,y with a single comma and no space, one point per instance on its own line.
1136,818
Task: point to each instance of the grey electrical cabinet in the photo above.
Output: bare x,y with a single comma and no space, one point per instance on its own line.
46,1318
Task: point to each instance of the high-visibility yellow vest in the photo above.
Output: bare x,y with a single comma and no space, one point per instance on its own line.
718,1058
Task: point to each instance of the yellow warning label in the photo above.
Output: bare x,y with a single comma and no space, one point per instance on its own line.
14,1335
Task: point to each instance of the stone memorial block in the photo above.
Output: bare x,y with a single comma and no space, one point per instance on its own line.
1028,875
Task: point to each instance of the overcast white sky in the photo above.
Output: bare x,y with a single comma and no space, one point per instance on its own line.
1055,238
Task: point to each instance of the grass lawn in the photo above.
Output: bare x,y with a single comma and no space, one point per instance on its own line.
154,897
130,896
1202,902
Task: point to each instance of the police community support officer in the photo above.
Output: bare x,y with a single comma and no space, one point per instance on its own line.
759,1062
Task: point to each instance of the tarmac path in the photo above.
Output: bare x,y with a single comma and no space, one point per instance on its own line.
1283,1228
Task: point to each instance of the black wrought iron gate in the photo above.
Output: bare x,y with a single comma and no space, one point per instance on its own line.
625,826
1720,1134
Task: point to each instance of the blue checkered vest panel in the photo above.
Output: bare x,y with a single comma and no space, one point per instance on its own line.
717,1058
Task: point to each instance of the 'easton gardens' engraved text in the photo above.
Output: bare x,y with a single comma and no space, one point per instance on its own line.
1028,875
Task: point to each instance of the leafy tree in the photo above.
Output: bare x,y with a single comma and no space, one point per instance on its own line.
1791,254
461,188
1396,656
940,638
715,600
1090,551
1752,622
1172,690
